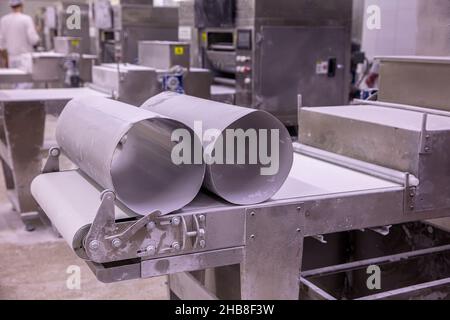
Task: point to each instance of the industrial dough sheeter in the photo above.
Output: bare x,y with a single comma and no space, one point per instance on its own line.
355,167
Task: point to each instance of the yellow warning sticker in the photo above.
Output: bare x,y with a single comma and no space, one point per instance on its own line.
179,51
75,43
204,37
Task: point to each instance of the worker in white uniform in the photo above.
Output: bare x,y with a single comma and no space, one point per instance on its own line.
18,36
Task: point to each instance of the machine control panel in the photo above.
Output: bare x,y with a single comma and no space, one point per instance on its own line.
244,66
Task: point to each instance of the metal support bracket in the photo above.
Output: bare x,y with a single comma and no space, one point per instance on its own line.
320,238
148,237
52,162
105,240
276,280
425,138
384,231
198,234
410,195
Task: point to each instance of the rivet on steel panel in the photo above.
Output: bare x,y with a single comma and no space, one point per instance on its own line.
94,245
108,194
55,152
151,250
116,243
150,226
175,221
176,246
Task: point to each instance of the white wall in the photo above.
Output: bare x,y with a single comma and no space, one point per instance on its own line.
409,27
398,32
433,36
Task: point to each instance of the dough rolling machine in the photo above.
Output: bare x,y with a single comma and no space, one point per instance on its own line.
354,167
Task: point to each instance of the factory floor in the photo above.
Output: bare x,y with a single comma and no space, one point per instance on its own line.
38,265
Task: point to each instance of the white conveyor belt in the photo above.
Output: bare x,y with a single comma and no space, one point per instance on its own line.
71,200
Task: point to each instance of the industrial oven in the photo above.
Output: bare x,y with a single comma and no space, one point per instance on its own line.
269,52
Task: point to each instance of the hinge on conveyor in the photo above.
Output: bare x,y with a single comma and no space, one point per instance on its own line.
425,137
105,240
147,237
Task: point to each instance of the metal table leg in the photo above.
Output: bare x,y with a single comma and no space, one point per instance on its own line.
21,141
271,262
273,253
